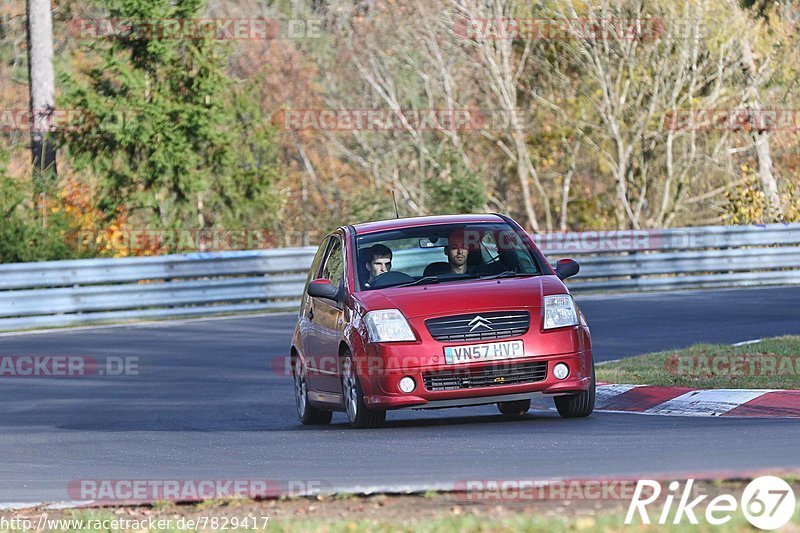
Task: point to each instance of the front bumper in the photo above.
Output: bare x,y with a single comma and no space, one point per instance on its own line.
382,388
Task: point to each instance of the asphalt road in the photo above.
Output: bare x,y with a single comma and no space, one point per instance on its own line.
206,404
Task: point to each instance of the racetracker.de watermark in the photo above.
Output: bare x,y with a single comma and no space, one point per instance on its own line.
577,29
66,366
466,119
741,365
630,240
381,119
598,241
373,366
178,240
504,490
734,119
176,490
218,29
51,119
145,523
385,365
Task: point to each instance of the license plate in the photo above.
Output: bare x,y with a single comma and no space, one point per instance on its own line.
483,352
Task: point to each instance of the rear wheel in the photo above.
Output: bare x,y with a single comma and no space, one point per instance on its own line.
357,413
515,408
577,405
309,415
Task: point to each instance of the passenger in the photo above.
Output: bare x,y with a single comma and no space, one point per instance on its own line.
379,261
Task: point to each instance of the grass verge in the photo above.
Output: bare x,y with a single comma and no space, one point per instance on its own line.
770,364
607,522
432,512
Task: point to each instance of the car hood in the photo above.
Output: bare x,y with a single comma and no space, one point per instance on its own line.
457,297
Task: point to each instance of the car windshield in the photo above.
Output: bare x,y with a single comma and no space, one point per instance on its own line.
442,254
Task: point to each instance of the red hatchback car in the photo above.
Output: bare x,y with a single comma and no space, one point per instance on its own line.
432,312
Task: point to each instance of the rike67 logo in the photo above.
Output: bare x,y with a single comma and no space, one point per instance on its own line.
768,502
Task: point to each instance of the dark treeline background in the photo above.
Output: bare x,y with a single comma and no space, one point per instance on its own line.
186,135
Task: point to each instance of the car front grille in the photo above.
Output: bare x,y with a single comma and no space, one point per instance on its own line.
492,376
479,326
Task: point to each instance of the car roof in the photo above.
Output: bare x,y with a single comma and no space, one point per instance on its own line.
401,223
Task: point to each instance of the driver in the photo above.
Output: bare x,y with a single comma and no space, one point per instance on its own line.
457,252
379,261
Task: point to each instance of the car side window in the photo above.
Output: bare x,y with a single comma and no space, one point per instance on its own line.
313,272
334,264
489,248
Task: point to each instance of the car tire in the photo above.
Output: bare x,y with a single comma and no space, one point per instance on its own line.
515,408
577,405
308,414
357,413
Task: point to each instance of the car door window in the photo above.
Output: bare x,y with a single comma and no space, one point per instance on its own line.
313,272
489,248
334,264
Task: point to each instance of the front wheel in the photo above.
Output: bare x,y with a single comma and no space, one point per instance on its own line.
577,405
357,413
515,408
308,414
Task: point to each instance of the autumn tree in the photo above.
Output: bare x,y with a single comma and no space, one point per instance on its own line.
171,137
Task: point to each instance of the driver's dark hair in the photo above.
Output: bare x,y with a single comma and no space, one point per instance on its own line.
378,250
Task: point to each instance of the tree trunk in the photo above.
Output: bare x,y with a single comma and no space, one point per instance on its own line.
769,185
42,87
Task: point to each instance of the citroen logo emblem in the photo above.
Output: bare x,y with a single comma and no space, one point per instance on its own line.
479,321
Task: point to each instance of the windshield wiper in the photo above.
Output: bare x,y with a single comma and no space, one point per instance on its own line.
509,274
435,279
420,281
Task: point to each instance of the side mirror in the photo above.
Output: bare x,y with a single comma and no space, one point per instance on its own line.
566,268
322,288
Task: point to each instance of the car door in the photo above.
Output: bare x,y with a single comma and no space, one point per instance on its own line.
327,316
309,332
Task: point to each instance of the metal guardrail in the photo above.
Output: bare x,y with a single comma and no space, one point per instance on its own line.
66,293
90,291
681,258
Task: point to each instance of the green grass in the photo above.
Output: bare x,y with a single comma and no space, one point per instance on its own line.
608,522
773,363
527,521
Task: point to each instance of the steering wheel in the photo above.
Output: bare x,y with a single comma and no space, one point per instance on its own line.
390,278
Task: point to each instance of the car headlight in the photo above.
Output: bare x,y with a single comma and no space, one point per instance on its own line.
559,311
388,325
